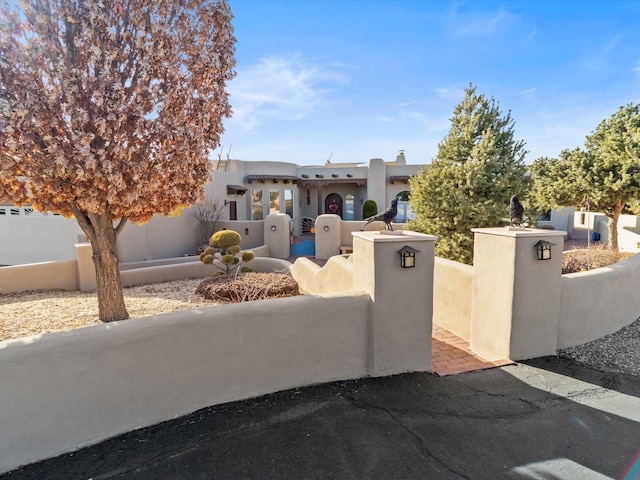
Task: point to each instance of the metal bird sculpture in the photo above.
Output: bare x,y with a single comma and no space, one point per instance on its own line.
516,211
387,216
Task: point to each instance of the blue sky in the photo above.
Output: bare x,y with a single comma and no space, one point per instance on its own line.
353,80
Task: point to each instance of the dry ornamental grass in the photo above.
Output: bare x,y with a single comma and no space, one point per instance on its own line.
581,260
248,286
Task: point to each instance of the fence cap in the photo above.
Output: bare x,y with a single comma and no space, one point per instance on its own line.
520,232
399,236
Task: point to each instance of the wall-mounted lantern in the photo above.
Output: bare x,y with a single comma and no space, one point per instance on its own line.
273,228
543,250
226,202
408,256
326,228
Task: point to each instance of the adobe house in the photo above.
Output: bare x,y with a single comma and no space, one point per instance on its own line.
253,190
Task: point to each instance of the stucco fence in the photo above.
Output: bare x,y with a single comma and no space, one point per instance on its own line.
62,391
65,390
79,274
591,304
363,315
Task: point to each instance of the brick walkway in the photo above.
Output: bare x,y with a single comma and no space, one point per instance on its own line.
452,355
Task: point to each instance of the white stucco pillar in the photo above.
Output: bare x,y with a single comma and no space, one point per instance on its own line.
86,268
515,306
376,186
277,235
327,236
402,310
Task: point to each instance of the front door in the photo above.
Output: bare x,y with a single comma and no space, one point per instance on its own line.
233,212
333,204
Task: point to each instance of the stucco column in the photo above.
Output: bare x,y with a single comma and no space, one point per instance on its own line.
515,308
376,186
327,236
402,310
277,235
86,269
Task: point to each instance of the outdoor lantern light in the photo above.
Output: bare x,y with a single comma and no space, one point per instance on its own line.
408,256
226,202
273,228
326,228
543,250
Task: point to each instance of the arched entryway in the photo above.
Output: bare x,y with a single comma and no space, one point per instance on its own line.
333,204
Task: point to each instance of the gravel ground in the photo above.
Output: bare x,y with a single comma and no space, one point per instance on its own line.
618,352
33,313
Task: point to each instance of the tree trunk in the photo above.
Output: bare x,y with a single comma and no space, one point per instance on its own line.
111,304
612,226
102,236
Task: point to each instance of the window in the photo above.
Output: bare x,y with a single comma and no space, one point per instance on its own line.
274,201
256,205
288,202
350,207
404,210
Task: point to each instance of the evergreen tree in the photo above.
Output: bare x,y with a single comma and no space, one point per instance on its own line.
468,185
607,171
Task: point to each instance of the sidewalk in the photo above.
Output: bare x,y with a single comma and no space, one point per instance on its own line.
548,418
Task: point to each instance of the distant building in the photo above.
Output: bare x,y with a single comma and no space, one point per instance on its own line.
248,190
253,190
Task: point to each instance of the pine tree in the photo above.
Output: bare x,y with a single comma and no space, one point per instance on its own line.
607,172
468,185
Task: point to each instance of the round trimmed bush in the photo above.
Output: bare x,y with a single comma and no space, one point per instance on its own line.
225,239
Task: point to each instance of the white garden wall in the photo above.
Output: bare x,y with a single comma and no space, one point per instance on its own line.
64,390
30,237
598,302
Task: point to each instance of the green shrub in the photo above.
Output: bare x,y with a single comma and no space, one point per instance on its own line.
369,209
225,239
225,245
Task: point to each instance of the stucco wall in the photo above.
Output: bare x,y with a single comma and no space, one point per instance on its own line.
598,302
251,231
64,390
36,238
160,237
334,277
39,276
452,288
562,219
68,275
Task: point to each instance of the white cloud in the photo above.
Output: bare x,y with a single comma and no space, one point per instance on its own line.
637,68
281,87
481,24
452,92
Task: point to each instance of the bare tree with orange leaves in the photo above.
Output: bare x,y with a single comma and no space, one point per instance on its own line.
108,112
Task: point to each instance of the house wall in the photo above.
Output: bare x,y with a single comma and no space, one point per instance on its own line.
562,219
34,237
